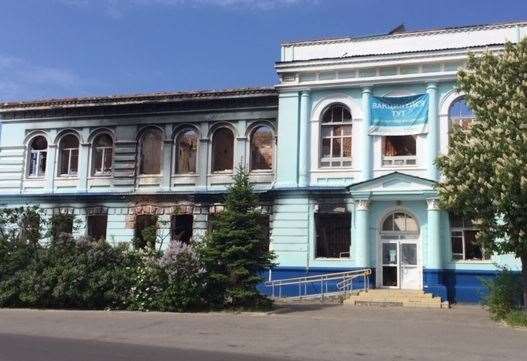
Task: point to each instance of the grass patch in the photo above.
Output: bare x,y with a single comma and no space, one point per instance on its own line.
517,318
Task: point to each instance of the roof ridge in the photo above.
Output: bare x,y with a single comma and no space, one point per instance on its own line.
448,29
141,97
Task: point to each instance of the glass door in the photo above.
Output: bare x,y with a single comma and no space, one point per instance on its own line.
390,264
410,275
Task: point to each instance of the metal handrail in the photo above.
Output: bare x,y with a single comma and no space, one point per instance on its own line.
344,284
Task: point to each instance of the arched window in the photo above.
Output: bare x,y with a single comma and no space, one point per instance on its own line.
336,137
69,155
262,148
102,153
222,150
460,113
186,151
150,151
38,151
400,225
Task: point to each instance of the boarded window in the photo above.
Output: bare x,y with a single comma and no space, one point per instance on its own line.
333,235
97,226
61,224
38,151
336,137
102,153
150,154
186,151
222,150
262,150
69,155
181,227
145,231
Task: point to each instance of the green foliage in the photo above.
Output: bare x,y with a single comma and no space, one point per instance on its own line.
232,253
504,294
486,167
517,318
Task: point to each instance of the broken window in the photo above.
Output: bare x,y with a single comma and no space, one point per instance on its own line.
336,137
97,226
222,150
38,151
145,231
463,237
460,113
69,155
399,150
262,149
181,227
150,151
333,235
186,151
61,224
102,152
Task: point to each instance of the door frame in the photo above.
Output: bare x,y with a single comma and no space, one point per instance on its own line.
398,241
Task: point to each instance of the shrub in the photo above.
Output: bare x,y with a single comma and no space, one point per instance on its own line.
517,318
185,278
504,294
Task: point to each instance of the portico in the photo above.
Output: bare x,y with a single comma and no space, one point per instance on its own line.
396,229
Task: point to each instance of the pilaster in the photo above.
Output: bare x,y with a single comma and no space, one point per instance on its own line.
303,152
435,260
433,132
366,143
360,243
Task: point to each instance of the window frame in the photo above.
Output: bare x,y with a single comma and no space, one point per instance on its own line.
462,121
395,161
465,226
90,226
343,162
40,153
347,214
176,150
140,146
95,172
213,135
70,150
273,146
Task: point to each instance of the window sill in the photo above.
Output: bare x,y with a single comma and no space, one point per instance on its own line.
185,175
484,261
67,177
35,178
105,176
149,175
332,259
334,170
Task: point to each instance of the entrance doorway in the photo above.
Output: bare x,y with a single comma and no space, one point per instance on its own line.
399,263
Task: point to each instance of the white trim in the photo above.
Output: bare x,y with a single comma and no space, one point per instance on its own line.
417,240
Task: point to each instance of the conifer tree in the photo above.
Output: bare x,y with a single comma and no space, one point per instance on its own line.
236,252
486,167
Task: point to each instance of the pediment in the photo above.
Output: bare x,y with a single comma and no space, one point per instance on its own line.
394,183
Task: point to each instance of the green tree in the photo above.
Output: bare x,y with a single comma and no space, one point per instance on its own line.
232,252
486,167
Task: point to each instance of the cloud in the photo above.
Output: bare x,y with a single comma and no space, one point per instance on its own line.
20,79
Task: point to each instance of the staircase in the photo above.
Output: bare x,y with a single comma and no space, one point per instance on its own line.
395,297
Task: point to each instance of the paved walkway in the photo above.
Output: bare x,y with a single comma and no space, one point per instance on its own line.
306,332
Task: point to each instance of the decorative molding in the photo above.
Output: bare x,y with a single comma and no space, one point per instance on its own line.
433,204
362,204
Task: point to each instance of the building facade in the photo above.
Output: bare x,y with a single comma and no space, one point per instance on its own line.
342,151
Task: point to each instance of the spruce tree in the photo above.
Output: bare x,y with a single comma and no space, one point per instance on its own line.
235,251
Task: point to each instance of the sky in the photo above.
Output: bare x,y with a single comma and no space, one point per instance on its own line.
69,48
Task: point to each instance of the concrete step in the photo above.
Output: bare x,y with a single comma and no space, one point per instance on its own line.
395,298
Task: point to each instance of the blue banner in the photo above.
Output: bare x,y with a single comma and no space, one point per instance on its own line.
399,115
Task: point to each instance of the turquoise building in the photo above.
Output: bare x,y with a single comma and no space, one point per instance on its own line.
342,150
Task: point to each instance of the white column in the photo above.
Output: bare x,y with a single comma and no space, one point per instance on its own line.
433,132
366,148
303,152
360,243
